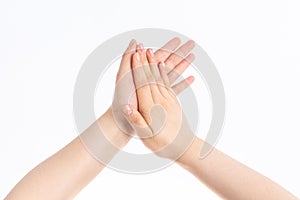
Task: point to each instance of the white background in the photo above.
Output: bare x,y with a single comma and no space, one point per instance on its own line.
254,44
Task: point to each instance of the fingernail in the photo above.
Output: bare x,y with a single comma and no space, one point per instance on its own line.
137,56
151,52
127,110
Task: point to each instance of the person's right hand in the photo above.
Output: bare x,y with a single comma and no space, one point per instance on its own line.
176,61
158,120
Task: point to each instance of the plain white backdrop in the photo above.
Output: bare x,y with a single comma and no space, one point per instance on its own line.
254,44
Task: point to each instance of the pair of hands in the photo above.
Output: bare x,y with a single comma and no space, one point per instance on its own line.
152,111
145,100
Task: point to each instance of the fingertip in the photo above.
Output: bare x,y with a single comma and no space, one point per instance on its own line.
176,40
191,43
150,55
140,47
150,52
190,79
191,57
132,46
132,42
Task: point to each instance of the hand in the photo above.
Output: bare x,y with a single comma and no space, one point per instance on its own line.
112,123
177,63
159,120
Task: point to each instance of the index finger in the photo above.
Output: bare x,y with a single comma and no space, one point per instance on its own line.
165,51
143,91
179,55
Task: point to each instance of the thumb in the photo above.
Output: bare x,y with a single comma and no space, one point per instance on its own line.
137,121
125,65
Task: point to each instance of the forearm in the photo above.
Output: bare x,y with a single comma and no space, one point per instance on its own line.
65,173
59,177
228,177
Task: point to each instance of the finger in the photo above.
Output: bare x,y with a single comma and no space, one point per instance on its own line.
137,121
155,80
181,86
153,66
125,65
158,86
165,51
166,84
176,57
139,47
141,50
140,80
145,63
163,74
180,68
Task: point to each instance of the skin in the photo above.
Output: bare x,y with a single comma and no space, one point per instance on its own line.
69,170
227,177
65,173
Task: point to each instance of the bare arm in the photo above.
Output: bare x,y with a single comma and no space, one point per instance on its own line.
69,170
229,178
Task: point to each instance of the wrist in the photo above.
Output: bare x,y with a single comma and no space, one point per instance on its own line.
111,131
103,139
191,154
